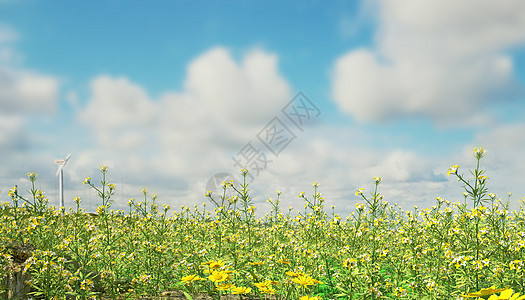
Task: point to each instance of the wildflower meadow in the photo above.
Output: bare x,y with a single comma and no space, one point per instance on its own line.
471,249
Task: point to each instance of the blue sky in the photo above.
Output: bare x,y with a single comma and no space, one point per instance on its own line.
165,93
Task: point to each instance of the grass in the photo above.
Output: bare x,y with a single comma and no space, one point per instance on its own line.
379,251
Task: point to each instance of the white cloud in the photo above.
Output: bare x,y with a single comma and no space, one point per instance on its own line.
439,59
403,166
224,103
12,133
27,92
27,99
7,35
245,93
120,112
331,156
22,93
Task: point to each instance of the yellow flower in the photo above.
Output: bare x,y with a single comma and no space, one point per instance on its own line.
360,206
283,261
256,263
507,294
267,290
266,286
304,280
86,284
214,264
241,290
308,298
262,284
13,191
479,152
453,170
145,278
482,179
484,292
350,263
359,191
101,209
293,274
191,278
218,276
224,286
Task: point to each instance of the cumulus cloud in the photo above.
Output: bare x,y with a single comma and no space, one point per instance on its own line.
119,112
12,133
326,155
403,166
25,91
439,59
245,93
223,103
22,92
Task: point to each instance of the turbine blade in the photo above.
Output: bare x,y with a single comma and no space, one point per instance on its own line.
60,167
67,158
61,163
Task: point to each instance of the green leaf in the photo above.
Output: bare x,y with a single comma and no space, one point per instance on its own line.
187,295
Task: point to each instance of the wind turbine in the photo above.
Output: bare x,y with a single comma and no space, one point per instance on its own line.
60,173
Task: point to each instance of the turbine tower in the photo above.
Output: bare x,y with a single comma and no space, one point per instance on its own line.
60,173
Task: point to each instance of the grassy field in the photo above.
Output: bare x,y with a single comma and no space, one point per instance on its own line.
379,251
